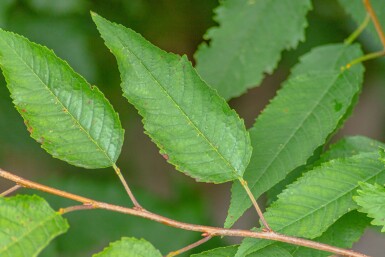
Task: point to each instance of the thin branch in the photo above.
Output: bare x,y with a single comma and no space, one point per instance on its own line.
364,58
376,23
189,247
11,190
358,31
29,184
212,231
76,208
128,190
256,206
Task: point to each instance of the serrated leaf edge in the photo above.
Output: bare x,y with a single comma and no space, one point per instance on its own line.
57,99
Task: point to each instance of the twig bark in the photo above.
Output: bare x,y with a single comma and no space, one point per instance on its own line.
189,247
212,231
126,187
76,208
376,23
10,190
255,204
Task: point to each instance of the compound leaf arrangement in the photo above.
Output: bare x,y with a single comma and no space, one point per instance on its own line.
320,199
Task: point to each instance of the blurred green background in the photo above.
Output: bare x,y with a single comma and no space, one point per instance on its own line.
176,26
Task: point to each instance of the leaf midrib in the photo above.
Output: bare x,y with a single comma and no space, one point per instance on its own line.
300,124
29,231
58,100
289,139
331,201
184,114
323,206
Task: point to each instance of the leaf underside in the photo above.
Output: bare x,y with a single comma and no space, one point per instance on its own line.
371,199
313,203
188,121
308,108
249,41
27,225
71,120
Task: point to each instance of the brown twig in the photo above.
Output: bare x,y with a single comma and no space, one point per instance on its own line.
10,190
212,231
84,206
189,247
256,206
128,190
376,23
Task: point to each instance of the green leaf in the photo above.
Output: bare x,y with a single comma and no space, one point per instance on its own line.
299,119
249,41
343,148
80,240
73,121
319,198
27,225
346,231
357,10
350,146
273,192
230,251
272,251
187,120
371,199
227,251
129,247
